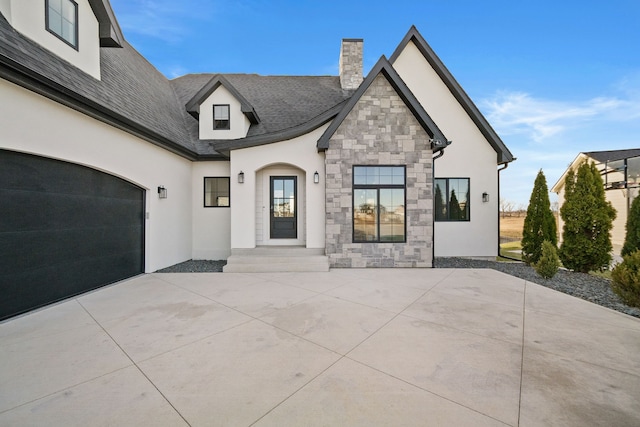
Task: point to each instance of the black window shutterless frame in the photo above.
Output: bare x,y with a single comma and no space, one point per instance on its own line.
364,178
49,20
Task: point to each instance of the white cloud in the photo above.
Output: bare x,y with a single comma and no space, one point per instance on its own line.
166,20
520,113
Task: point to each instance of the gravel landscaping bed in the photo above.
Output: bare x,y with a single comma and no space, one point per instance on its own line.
195,266
585,286
581,285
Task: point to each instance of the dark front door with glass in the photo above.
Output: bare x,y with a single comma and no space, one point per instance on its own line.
284,217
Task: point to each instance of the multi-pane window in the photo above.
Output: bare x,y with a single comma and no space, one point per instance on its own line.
62,20
451,199
216,192
221,118
378,204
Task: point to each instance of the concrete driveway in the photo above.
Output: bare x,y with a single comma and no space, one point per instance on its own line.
388,347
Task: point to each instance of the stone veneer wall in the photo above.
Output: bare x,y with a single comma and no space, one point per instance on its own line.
379,130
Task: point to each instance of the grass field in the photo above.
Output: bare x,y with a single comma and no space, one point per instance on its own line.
511,228
510,236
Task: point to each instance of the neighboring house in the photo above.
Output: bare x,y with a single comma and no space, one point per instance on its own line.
108,169
620,170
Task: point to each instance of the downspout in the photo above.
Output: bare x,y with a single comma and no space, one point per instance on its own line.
500,170
433,209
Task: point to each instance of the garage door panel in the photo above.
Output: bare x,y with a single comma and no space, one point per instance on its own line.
80,277
23,211
64,229
34,173
33,250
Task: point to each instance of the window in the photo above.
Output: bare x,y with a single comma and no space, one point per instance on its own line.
452,199
62,20
221,117
216,192
378,204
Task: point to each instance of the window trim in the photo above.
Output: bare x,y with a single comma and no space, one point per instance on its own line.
435,219
204,189
377,187
228,120
76,46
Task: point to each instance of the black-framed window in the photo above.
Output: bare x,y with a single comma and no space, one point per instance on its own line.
221,119
379,199
216,192
61,18
452,199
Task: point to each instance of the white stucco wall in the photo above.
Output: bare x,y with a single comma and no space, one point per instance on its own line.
212,225
238,121
469,156
297,156
28,17
5,9
33,124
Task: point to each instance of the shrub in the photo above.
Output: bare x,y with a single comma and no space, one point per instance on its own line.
539,224
626,279
548,265
588,218
632,236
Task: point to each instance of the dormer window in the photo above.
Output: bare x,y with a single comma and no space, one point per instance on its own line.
221,117
62,20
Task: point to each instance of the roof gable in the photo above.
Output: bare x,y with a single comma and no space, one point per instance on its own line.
384,67
599,157
213,84
504,155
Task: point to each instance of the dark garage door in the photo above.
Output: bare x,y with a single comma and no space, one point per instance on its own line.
64,229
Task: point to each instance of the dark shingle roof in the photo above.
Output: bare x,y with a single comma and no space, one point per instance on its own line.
612,155
131,93
283,103
134,96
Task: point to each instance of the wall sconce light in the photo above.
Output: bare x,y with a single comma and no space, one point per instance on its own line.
485,197
316,177
241,178
162,192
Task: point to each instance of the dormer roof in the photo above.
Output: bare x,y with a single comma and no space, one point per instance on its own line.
384,67
193,106
504,155
109,29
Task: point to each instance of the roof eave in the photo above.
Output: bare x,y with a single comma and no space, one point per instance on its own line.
109,30
31,80
226,146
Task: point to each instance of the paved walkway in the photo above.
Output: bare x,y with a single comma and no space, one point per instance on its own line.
400,347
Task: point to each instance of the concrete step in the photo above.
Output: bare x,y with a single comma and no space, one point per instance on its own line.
276,259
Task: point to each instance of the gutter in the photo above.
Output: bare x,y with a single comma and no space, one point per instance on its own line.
506,165
433,208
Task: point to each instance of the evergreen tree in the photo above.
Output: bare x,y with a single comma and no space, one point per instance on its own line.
455,211
539,224
440,205
588,218
632,238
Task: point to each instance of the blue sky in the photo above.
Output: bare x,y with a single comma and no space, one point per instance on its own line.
554,78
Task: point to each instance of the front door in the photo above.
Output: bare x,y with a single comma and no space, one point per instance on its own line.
284,217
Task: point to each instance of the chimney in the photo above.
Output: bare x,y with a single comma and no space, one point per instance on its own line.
351,63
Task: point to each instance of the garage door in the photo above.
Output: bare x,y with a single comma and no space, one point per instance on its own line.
64,229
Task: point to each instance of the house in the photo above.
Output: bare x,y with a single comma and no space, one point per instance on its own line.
108,169
620,170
